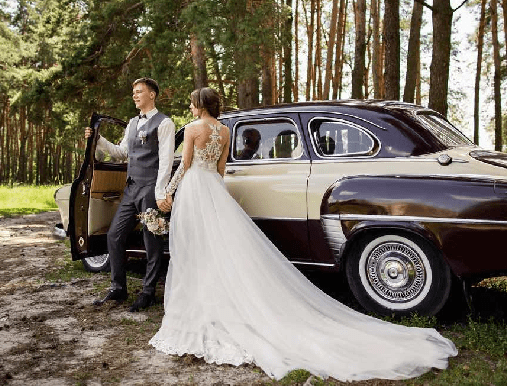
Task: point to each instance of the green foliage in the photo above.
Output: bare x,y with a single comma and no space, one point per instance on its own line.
23,199
489,337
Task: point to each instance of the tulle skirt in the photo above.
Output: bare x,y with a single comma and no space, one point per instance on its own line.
232,297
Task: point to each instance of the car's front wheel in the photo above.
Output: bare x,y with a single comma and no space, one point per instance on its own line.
398,274
99,263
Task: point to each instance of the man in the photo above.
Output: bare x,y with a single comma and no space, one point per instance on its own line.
251,142
148,144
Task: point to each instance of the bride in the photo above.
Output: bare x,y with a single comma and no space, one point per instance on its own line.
232,297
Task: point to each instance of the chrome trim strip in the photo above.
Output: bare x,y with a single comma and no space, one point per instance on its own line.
295,110
393,159
381,217
363,155
315,264
479,177
280,218
267,161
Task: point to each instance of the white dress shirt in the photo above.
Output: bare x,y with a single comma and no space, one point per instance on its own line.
166,131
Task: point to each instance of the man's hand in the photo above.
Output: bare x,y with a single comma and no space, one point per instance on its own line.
165,205
88,132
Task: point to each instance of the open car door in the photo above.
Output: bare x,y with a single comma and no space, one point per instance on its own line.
95,194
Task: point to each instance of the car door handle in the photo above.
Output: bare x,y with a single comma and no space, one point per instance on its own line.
230,171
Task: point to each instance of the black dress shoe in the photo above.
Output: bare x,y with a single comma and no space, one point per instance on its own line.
143,301
116,294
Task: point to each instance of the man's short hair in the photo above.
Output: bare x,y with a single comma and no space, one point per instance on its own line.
150,83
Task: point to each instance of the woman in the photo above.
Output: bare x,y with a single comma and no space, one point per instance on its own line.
232,297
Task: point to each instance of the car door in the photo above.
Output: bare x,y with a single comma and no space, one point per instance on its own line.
96,192
267,174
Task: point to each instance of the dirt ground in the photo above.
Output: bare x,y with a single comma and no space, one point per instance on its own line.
51,334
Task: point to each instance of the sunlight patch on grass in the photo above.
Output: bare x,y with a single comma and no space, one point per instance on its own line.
27,199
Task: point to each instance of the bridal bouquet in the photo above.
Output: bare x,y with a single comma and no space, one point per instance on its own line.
154,220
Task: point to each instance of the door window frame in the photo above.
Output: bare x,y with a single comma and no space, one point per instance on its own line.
372,152
301,139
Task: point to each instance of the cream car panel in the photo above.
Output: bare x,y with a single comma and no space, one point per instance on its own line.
100,215
271,189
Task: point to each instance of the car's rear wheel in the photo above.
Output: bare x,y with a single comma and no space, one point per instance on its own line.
398,274
99,263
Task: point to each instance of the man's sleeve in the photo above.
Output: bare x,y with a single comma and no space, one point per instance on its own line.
116,151
166,132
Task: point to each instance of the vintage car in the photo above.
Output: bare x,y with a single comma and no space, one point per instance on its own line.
389,193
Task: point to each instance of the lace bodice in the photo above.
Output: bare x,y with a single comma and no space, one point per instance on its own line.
206,158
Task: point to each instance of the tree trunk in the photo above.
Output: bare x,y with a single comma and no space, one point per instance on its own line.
360,50
414,53
287,57
480,43
3,126
218,73
295,89
504,6
317,91
376,57
199,62
330,47
497,78
340,43
309,66
22,132
248,93
267,79
440,59
392,46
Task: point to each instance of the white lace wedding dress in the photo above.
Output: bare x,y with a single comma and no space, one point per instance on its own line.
232,297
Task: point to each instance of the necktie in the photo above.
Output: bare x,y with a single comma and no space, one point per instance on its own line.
141,116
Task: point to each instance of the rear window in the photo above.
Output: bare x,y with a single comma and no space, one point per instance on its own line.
443,130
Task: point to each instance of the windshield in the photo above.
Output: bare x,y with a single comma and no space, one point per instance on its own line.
443,130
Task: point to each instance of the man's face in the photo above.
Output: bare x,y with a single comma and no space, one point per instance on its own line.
143,96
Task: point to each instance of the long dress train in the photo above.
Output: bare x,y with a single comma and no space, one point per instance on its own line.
232,297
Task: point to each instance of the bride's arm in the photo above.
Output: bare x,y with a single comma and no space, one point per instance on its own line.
186,160
223,157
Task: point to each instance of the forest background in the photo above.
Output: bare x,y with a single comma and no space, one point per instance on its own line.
61,60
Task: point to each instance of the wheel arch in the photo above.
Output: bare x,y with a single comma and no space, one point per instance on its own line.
361,231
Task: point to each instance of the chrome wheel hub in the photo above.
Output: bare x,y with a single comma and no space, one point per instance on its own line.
395,272
97,261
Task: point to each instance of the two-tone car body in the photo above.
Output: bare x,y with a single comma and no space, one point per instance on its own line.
390,193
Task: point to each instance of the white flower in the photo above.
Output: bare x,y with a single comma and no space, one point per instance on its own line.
154,221
142,136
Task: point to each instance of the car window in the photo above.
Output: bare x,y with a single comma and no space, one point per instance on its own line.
339,138
272,139
443,130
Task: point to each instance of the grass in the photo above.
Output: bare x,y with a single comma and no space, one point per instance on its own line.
26,199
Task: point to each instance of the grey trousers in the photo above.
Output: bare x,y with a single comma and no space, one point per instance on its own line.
136,199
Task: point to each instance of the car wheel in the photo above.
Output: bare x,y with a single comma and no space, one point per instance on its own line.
99,263
394,274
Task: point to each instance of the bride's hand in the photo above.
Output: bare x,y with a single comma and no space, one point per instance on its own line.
164,205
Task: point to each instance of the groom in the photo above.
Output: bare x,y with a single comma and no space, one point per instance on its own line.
148,144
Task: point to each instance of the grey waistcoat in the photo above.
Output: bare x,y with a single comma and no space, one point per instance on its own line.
143,157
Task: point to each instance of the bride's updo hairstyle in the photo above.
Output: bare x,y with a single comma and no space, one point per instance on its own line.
208,99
